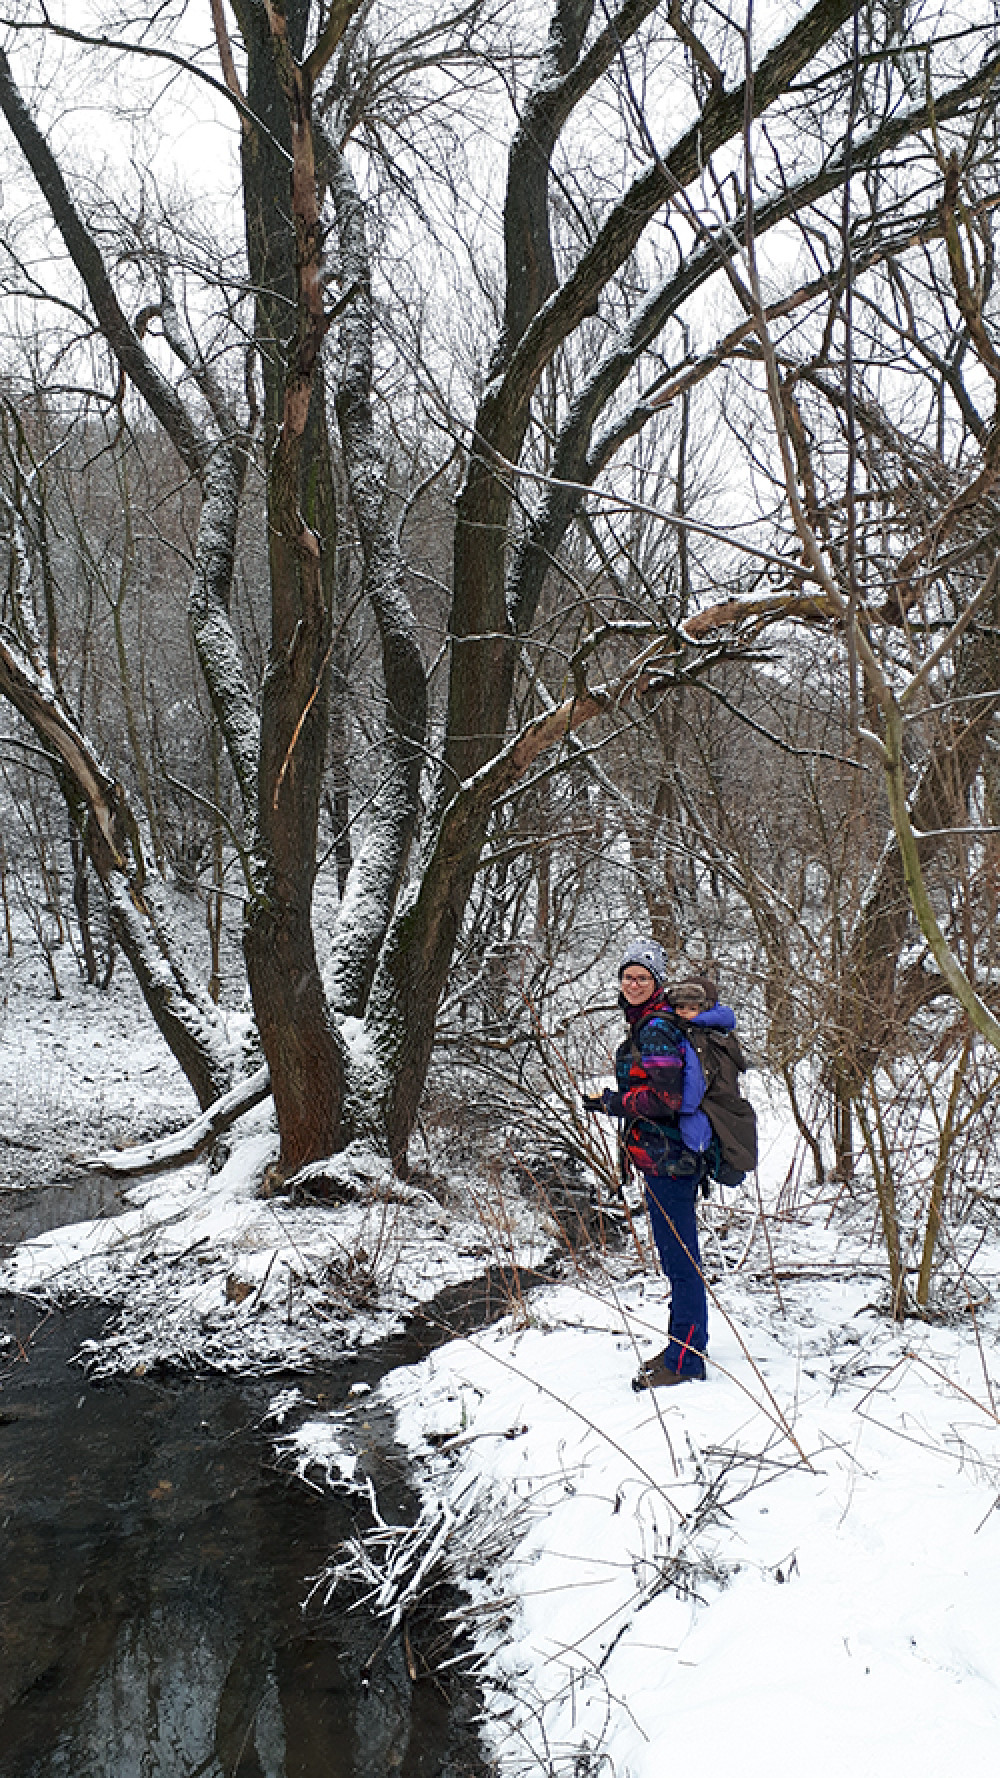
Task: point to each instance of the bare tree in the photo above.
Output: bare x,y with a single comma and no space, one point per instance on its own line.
597,275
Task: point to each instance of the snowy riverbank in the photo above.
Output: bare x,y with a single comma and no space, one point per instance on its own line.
792,1566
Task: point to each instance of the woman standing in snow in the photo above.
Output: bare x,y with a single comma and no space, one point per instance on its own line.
667,1137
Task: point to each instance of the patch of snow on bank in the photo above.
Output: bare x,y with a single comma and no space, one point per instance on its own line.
212,1276
79,1073
792,1566
321,1444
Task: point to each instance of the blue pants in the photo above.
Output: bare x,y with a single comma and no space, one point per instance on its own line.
671,1205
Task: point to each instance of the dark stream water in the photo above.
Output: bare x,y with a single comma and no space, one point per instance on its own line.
154,1557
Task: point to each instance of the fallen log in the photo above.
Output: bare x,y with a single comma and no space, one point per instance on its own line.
186,1144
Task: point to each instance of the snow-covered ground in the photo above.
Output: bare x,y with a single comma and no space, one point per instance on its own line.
77,1074
791,1567
200,1269
210,1275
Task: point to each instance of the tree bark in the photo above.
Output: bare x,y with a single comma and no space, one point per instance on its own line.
301,1046
378,872
413,968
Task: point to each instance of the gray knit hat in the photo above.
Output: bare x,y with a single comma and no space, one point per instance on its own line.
644,953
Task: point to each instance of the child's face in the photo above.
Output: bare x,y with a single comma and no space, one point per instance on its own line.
687,1012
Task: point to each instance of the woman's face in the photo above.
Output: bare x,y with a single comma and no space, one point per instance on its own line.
637,984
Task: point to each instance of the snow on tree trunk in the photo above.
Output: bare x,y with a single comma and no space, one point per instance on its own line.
378,873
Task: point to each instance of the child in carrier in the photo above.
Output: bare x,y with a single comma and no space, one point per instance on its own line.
668,1137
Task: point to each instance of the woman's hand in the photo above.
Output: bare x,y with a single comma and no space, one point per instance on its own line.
609,1102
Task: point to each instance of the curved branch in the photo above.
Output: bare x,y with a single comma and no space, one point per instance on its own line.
561,81
187,1144
226,56
721,121
576,461
162,398
150,52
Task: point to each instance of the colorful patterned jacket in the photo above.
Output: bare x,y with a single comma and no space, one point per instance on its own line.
661,1084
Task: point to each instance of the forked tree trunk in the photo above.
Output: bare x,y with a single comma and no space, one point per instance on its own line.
416,958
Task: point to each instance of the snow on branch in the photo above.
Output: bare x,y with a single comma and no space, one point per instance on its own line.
393,1568
184,1145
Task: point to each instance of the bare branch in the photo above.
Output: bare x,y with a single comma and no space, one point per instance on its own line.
226,57
150,52
341,14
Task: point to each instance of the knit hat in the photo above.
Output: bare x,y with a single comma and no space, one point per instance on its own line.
692,990
644,953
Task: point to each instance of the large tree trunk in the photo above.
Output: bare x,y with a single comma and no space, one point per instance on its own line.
378,872
299,1041
285,244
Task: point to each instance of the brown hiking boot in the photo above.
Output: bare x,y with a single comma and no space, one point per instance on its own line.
655,1363
655,1375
